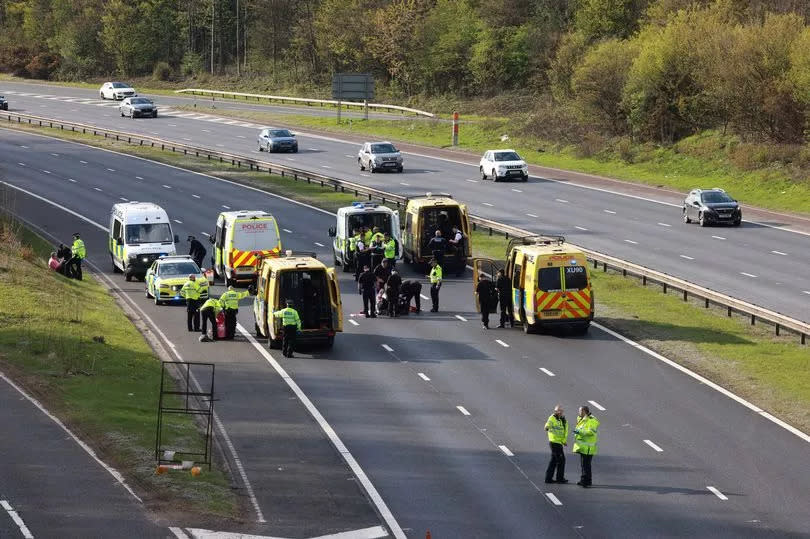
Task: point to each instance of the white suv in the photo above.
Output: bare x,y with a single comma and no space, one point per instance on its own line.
377,156
503,165
116,90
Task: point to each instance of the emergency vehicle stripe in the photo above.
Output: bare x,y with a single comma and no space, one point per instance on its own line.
575,298
249,258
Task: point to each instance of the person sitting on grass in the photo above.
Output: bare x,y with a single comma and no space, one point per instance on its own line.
54,263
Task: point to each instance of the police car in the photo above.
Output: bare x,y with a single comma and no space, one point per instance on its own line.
166,276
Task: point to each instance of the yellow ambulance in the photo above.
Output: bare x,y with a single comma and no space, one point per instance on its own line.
551,284
311,286
424,215
240,239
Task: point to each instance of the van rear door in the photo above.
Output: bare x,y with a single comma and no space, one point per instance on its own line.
577,291
334,298
465,228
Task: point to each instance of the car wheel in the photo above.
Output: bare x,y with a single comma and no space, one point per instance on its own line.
148,295
483,174
260,147
400,169
157,301
154,114
122,114
371,168
525,178
686,218
295,150
495,176
701,219
360,164
738,222
268,148
101,95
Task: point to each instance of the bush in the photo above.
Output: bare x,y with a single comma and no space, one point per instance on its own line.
162,71
191,65
43,65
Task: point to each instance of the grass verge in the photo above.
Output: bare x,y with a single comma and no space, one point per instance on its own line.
69,343
768,370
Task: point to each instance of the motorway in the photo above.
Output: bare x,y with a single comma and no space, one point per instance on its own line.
444,417
747,263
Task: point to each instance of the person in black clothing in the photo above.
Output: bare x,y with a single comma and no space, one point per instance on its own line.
382,272
362,259
438,245
365,283
392,288
64,254
196,251
504,287
412,289
486,293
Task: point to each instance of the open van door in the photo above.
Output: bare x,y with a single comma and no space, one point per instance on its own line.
465,229
334,297
489,268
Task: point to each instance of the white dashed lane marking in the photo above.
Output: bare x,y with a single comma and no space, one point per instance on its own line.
718,237
548,372
196,196
655,447
461,318
96,189
138,178
506,451
487,204
463,410
423,376
473,181
631,241
405,184
561,200
288,231
609,211
110,170
686,257
806,292
17,520
502,343
46,171
72,180
664,224
124,199
167,186
352,322
532,215
177,221
780,253
597,405
387,348
748,275
717,493
581,228
206,234
423,296
553,499
319,244
226,207
517,190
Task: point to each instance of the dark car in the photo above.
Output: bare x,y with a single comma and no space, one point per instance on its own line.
3,103
711,206
277,140
138,107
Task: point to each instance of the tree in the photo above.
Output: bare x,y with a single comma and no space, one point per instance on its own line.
569,54
119,18
609,18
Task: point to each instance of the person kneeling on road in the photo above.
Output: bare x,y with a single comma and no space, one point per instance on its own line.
209,311
392,287
291,323
412,289
230,302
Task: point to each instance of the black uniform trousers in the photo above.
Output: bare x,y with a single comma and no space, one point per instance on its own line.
209,316
485,308
586,468
74,268
434,295
506,310
393,300
369,300
557,462
230,323
288,340
193,314
361,259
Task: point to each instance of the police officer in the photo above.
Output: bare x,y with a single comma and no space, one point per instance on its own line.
412,289
437,245
291,323
74,268
390,250
209,311
366,283
191,291
435,284
362,259
196,251
585,442
504,287
557,429
64,255
392,287
353,240
376,249
485,292
230,302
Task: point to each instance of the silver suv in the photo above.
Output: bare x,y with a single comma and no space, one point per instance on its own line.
377,156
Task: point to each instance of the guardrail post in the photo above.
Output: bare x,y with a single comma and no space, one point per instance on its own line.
803,338
643,280
604,267
777,330
707,303
684,295
753,320
490,231
665,288
729,312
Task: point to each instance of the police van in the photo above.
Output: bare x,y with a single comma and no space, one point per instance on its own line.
424,215
355,217
139,234
551,284
240,239
313,289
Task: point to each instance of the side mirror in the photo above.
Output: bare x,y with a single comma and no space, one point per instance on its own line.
176,238
332,232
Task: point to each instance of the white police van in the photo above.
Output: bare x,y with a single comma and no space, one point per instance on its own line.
140,233
357,216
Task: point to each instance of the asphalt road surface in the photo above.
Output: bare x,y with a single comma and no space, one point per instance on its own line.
757,262
677,458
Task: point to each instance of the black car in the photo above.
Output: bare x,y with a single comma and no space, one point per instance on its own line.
711,206
3,103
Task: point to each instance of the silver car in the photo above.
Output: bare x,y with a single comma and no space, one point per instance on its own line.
138,107
3,103
377,156
277,140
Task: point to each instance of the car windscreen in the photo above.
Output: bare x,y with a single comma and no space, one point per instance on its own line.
149,233
506,156
714,197
140,101
279,133
576,278
171,269
549,279
255,235
120,85
383,148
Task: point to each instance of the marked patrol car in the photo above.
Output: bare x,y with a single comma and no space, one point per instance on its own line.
240,239
167,275
139,234
311,286
356,216
551,284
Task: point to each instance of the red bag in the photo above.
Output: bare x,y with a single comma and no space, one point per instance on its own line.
221,325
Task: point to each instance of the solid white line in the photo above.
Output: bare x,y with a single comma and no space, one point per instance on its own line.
561,200
717,493
196,196
178,532
581,228
609,211
423,296
461,318
506,451
502,343
532,215
631,241
177,221
375,497
319,244
718,237
597,406
462,410
554,499
486,204
664,224
748,275
423,376
288,231
779,253
17,519
545,370
651,444
388,348
352,322
686,257
705,381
